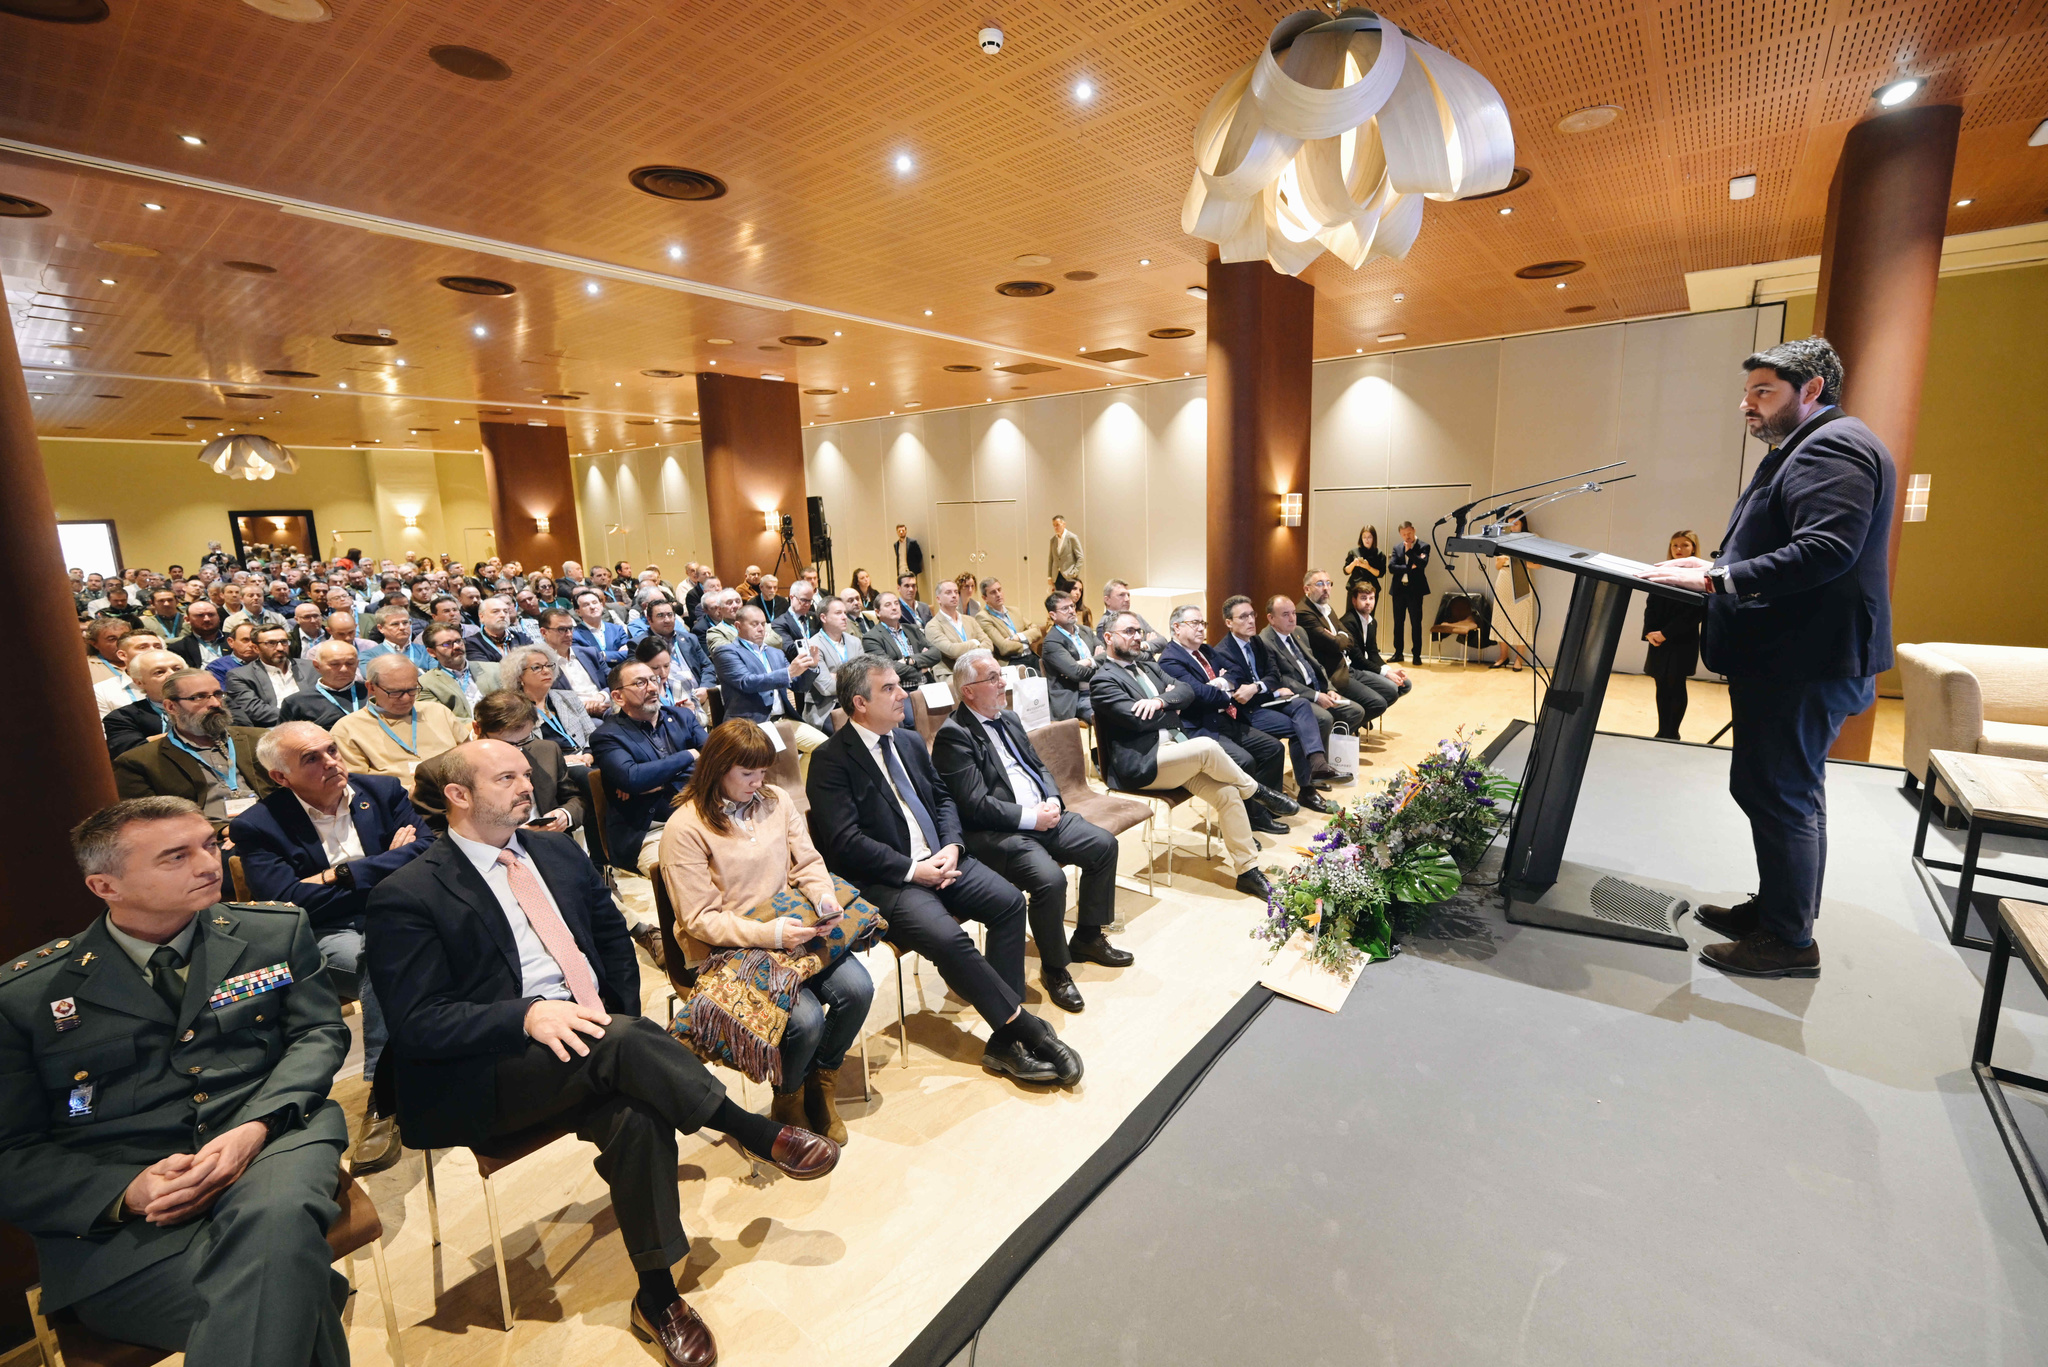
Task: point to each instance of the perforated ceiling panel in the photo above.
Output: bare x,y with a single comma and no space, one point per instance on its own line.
880,164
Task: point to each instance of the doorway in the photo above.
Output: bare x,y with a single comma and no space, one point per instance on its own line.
275,532
981,537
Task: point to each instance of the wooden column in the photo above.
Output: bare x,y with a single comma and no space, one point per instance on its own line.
1880,260
57,747
753,463
527,475
1260,326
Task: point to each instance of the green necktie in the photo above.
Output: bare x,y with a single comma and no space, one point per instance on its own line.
163,976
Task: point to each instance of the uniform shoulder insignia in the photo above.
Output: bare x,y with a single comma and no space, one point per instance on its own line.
272,907
41,955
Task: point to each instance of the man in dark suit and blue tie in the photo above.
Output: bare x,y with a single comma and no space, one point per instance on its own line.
321,842
1215,711
885,822
756,680
1799,619
1274,708
514,1001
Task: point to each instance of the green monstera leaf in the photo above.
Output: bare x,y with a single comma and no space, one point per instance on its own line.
1424,875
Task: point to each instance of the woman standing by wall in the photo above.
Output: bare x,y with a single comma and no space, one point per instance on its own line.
1673,630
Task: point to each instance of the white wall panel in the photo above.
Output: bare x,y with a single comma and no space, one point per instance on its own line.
1177,415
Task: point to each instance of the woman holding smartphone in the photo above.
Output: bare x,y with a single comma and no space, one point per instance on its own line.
734,842
1673,630
1366,563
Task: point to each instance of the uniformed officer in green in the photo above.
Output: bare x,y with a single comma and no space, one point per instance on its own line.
165,1129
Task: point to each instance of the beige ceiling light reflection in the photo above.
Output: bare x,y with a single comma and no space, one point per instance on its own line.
1331,138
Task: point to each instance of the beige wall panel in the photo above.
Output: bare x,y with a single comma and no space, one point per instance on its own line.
1177,415
1117,484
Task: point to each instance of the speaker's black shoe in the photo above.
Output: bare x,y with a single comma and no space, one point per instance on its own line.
1060,990
1275,801
1311,800
1017,1059
1252,883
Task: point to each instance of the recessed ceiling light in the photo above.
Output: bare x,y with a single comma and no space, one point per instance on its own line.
105,281
903,163
590,287
1084,92
157,208
1400,298
718,341
1898,92
190,141
1742,187
675,253
1144,260
714,363
1505,211
343,385
927,313
401,362
479,332
1198,292
1964,203
2039,137
76,328
1355,351
837,334
1587,119
1393,337
1560,284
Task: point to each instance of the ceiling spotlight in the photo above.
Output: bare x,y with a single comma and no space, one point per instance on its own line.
76,328
1084,92
903,163
105,281
1400,298
1505,211
837,334
1964,203
1144,260
2039,137
1198,292
590,287
1742,187
1898,92
675,253
479,332
190,141
343,384
1587,119
154,208
1393,337
401,362
1560,284
927,313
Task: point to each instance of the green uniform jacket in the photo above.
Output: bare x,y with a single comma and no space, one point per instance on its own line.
158,1086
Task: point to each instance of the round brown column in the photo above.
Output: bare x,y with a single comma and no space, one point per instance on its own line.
1260,347
753,464
527,477
1880,261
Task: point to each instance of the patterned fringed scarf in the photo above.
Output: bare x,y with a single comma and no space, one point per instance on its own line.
741,1007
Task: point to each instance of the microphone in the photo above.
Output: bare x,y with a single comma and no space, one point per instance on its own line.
1459,513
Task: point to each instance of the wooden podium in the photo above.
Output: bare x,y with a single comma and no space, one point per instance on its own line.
1541,886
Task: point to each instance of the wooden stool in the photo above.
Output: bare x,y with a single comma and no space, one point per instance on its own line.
2022,926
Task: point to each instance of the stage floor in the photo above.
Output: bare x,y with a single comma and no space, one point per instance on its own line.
1516,1145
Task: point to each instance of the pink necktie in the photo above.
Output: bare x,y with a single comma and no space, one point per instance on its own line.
553,931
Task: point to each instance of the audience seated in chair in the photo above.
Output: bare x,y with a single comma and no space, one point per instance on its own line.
456,681
902,642
128,727
257,690
732,845
399,728
1276,709
202,756
1116,597
187,1219
113,691
885,822
203,641
559,798
1070,653
482,1050
496,631
1012,820
321,842
952,631
1321,623
1138,730
758,683
1222,709
1012,644
1296,672
1362,654
643,754
336,690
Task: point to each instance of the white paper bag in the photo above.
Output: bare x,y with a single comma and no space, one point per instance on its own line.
1343,750
1033,703
936,695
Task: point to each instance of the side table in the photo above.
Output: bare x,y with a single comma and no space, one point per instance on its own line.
1997,795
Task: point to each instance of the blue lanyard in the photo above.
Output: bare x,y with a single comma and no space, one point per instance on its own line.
414,748
110,666
349,706
1081,649
232,779
902,641
547,715
1002,617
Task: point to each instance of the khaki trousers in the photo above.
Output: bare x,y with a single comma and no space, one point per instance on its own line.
636,895
1202,767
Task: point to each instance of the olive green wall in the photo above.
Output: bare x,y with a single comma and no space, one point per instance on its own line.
1973,571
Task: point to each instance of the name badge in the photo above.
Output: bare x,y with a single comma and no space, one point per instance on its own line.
64,1013
235,806
79,1104
243,986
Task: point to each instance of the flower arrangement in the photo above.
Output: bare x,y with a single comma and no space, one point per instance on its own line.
1406,846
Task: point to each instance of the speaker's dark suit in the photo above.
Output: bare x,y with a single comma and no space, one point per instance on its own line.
1803,631
461,1068
1129,744
1213,712
128,727
965,752
858,825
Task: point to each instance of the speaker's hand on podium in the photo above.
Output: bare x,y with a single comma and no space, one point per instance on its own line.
1686,572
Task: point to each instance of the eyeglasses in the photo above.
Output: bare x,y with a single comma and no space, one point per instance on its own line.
396,692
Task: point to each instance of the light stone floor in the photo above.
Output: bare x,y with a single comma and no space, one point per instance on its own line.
944,1160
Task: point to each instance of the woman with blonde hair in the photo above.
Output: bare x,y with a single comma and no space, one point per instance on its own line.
1673,630
734,843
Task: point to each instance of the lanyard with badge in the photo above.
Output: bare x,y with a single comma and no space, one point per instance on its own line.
414,748
349,706
235,804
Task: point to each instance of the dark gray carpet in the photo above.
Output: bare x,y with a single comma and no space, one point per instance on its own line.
1521,1146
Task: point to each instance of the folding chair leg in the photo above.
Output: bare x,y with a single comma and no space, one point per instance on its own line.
498,1255
864,1093
383,1274
1151,883
46,1337
902,1032
433,1205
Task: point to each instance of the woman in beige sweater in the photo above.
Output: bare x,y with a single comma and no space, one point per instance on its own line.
733,843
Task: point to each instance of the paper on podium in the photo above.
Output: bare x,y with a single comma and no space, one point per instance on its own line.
1292,975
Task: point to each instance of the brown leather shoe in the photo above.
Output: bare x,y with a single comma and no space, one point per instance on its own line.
378,1148
1320,770
1734,922
788,1109
821,1104
649,939
796,1153
684,1337
1763,955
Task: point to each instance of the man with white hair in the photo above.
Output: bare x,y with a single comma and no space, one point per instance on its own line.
496,631
399,729
128,727
336,691
722,612
321,842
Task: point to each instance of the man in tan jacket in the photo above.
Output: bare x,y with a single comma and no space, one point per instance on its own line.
1063,559
952,631
399,729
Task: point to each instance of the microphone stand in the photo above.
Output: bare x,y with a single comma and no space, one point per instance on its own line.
1502,515
1458,514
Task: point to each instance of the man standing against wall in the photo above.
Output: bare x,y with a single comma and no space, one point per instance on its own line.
1804,559
1063,557
1408,568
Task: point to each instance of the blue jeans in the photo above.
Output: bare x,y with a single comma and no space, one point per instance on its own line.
825,1020
344,950
1777,774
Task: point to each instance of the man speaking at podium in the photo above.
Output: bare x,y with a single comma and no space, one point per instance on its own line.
1799,619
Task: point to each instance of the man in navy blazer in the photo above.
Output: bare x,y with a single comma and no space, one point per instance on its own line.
600,641
1245,658
514,1000
754,679
1799,619
321,842
644,752
1214,711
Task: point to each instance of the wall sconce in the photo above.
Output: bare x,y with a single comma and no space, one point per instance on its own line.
412,520
771,519
1916,497
540,524
1290,510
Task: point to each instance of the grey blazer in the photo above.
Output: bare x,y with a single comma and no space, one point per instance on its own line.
248,690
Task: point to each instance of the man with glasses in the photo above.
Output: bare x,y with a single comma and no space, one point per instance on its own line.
899,640
454,682
644,753
202,756
1276,709
1013,820
1145,746
257,690
575,661
757,682
689,668
399,729
1219,709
